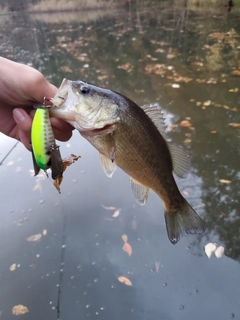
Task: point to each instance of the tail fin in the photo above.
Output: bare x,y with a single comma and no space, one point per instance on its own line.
185,221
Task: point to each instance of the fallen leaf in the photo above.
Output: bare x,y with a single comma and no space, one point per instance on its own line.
125,280
187,140
185,192
34,237
125,237
225,181
10,163
207,103
44,232
19,310
127,248
213,131
234,124
236,72
210,248
116,213
233,90
109,208
176,85
185,123
219,252
13,267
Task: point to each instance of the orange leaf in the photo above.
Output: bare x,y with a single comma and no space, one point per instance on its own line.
234,124
125,237
125,280
127,248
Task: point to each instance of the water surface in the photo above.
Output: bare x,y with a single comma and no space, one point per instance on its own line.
187,60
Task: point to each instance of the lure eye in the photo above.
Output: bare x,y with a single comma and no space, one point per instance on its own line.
84,89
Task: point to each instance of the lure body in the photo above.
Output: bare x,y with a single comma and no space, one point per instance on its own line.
42,138
45,152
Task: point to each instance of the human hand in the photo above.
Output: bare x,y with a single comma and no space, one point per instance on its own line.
20,87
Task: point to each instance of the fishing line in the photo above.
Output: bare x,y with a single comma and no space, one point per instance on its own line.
8,153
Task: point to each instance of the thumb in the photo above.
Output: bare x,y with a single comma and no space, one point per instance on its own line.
24,123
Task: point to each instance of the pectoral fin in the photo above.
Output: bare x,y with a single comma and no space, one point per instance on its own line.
140,192
108,165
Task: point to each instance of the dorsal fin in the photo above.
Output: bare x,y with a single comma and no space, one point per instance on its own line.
180,159
155,113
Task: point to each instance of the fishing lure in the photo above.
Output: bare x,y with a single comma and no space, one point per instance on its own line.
45,152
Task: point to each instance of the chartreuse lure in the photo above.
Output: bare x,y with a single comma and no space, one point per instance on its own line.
45,152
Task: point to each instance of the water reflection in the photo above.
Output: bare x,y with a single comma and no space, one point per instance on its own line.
178,57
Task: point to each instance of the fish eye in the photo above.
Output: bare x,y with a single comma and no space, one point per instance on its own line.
84,89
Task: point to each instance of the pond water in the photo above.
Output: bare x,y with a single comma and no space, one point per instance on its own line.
188,60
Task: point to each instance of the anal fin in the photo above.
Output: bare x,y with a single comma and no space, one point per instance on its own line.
140,192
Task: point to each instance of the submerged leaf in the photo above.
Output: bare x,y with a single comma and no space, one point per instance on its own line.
125,280
13,267
225,181
125,237
219,252
19,310
35,237
127,248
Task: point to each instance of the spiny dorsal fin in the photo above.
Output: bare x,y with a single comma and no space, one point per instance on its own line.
155,113
140,192
180,159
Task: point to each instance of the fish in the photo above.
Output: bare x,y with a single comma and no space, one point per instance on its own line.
133,138
45,152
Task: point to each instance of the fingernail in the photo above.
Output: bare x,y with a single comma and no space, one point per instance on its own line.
18,115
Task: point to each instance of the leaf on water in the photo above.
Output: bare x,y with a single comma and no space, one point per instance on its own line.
213,131
34,237
36,187
185,193
68,161
233,90
10,163
65,69
187,140
219,252
236,72
125,238
207,103
127,67
13,267
157,266
176,85
185,123
109,208
210,248
225,181
44,232
125,280
18,169
19,310
234,124
116,213
127,248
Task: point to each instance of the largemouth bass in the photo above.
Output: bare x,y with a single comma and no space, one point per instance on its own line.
45,152
132,138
